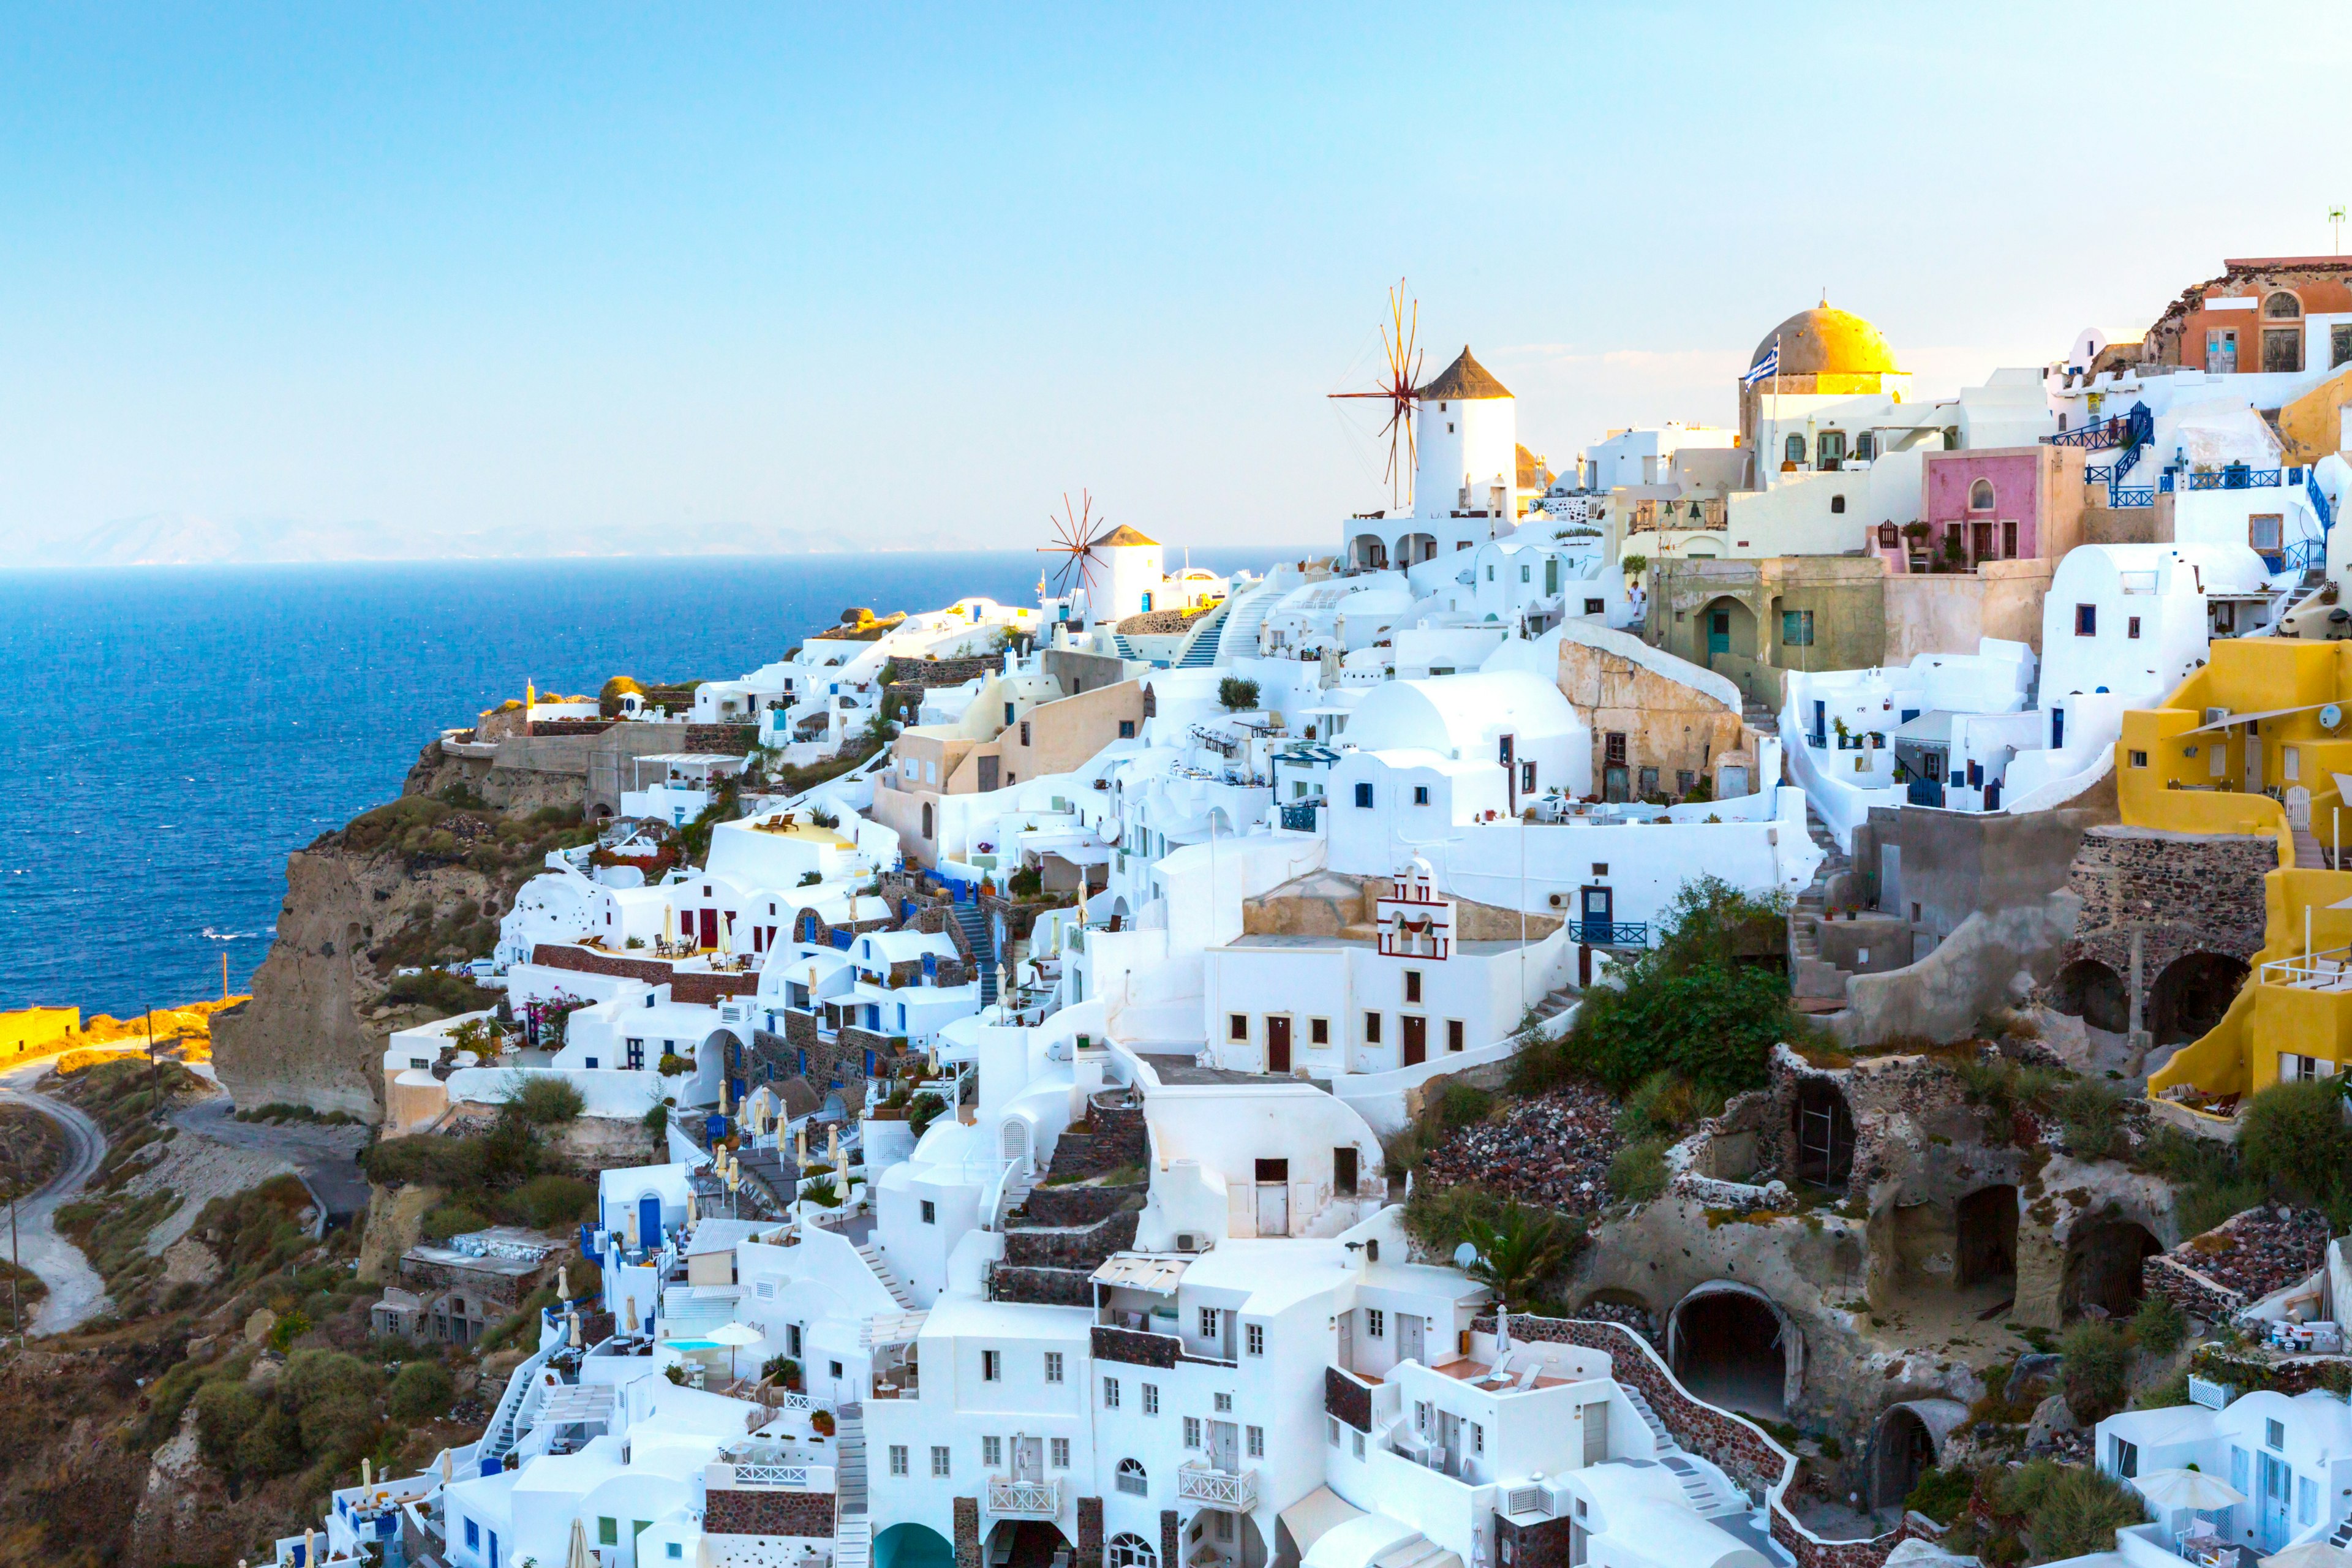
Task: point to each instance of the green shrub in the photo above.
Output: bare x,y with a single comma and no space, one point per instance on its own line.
548,1101
2159,1326
453,1219
1691,1004
545,1202
2172,1391
1941,1494
2090,1112
2294,1137
225,1412
2097,1360
1662,1105
2069,1511
1637,1173
1236,695
1462,1105
421,1392
290,1326
922,1110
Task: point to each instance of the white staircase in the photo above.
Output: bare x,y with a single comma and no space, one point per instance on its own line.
1239,638
1664,1439
1699,1488
883,1272
853,1531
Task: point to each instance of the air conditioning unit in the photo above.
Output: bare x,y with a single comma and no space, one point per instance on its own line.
1560,900
1189,1241
1526,1499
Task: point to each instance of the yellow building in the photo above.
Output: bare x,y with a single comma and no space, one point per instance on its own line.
30,1031
2256,743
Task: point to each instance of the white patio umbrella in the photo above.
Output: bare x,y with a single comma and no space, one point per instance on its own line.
577,1557
2170,1490
2310,1554
734,1336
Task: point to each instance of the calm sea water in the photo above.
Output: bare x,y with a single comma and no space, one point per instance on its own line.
176,732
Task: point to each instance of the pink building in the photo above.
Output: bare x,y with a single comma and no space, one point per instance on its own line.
1993,503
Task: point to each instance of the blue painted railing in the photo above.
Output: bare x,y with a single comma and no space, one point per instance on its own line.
1299,817
1610,933
2320,505
2132,495
2236,476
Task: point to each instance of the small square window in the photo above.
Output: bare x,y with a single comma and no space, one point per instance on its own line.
2139,759
1412,984
1110,1394
1452,1034
1371,1028
1359,1445
1152,1399
2131,627
1224,1404
991,1452
1420,795
1192,1431
2274,1434
1364,796
939,1462
1061,1452
897,1459
992,1366
1208,1322
1237,1026
1053,1366
1318,1031
1376,1322
674,1550
930,1211
1331,1430
1600,868
1255,1333
1257,1442
1477,1439
608,1531
2087,620
835,1367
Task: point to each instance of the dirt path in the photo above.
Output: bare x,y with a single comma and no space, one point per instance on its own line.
322,1155
76,1292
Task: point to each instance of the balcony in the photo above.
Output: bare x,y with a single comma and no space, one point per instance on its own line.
1610,933
1009,1499
1210,1487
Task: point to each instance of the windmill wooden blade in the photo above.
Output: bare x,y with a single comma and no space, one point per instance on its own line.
1401,389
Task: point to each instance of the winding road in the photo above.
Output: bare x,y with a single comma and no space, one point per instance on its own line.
76,1292
324,1155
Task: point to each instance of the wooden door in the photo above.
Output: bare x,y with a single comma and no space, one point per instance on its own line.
988,774
1277,1045
1417,1039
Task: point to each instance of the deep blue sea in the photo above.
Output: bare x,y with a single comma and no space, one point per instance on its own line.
179,730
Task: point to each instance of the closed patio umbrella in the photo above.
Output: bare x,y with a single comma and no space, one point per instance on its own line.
2170,1490
577,1557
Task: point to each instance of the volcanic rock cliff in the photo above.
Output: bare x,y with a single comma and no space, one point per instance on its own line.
419,881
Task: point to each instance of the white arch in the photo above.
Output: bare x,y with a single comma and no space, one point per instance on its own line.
1790,1338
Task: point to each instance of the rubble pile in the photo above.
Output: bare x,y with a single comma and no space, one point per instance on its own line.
1552,1150
2247,1256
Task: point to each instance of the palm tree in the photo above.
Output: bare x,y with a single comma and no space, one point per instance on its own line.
1516,1253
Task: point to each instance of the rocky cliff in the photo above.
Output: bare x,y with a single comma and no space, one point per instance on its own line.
418,881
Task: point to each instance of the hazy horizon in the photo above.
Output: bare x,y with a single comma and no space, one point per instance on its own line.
531,283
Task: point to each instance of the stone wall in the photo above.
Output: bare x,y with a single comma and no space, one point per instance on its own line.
1091,1533
761,1511
1543,1545
1070,1247
2170,895
1346,1399
967,1532
1136,1349
501,1290
704,986
1081,1205
1118,1137
721,739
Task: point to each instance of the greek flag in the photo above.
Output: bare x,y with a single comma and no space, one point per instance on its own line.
1769,365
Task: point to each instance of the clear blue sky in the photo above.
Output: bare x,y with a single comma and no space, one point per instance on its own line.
611,271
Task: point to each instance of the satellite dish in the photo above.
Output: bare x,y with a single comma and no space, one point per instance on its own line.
2330,715
1465,1256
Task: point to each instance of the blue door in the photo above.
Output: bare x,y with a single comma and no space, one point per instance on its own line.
2057,728
494,1549
649,1221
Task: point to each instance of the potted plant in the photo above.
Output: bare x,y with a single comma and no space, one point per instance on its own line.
821,1423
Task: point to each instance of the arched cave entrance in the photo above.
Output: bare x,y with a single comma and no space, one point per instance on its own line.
1905,1443
1024,1543
1821,1130
2103,1266
2094,992
1733,1348
2190,997
1986,1253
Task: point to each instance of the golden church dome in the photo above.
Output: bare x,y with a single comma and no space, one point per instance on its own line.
1827,342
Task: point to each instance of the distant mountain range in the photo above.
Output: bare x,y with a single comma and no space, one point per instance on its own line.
179,540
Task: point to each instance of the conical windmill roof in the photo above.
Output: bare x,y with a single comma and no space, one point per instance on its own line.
1464,379
1123,534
